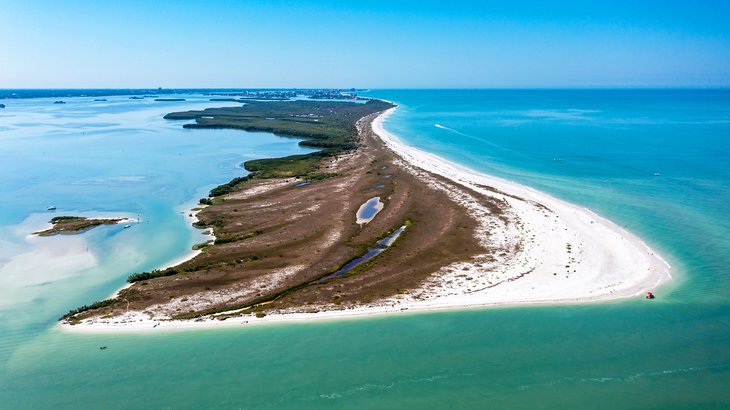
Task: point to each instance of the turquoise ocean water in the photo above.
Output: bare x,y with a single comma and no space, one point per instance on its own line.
597,148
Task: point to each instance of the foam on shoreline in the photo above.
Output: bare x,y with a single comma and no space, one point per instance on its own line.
603,261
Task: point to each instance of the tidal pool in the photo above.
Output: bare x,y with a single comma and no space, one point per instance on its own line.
369,209
380,246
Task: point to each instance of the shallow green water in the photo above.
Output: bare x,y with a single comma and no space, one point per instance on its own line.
670,352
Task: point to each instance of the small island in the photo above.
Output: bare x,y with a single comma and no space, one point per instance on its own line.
71,225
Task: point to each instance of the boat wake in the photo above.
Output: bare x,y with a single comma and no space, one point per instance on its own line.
443,127
630,377
480,140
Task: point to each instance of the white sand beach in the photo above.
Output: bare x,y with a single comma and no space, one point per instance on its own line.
606,261
190,214
560,253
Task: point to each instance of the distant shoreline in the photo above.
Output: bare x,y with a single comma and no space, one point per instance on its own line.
606,262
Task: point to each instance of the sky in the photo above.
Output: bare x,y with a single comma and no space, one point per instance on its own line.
364,44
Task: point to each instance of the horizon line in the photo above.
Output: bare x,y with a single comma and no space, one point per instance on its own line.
593,87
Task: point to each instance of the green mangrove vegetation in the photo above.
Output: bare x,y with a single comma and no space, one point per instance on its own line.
228,187
95,305
327,125
69,225
156,273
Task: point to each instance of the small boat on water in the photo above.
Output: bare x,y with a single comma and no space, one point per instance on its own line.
656,174
102,347
51,208
127,226
650,295
59,102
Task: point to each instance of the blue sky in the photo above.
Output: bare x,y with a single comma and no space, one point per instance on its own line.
373,44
